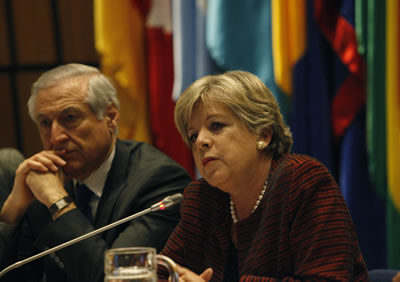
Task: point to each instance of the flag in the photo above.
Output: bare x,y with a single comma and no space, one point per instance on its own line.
393,130
336,21
313,90
160,77
191,59
184,44
288,40
371,30
238,37
378,30
119,40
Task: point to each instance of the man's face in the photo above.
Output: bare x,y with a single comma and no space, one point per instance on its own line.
67,124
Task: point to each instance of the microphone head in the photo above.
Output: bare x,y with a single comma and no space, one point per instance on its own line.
167,202
172,200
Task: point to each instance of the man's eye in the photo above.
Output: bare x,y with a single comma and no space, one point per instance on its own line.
70,121
70,118
193,138
45,123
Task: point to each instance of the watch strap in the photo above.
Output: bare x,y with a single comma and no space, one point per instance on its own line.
60,204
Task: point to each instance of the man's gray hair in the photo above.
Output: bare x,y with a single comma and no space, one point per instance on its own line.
100,92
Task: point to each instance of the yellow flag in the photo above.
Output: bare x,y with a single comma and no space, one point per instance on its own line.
120,42
393,100
288,39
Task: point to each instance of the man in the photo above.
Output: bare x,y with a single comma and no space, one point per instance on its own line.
76,110
10,158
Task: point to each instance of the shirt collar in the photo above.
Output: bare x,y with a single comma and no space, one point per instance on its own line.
96,181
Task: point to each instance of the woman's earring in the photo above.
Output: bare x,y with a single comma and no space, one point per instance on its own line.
261,145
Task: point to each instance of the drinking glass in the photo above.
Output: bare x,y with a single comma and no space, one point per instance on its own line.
136,264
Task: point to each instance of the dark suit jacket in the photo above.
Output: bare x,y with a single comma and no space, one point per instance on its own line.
10,158
140,176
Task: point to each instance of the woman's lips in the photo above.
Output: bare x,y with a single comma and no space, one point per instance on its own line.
208,160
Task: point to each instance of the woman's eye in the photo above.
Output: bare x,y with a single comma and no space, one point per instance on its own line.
193,138
216,126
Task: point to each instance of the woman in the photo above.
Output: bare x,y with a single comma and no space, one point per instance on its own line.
259,212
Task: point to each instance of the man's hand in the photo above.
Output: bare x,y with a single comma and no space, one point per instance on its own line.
47,187
21,195
187,275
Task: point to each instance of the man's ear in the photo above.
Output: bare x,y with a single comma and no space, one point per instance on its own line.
112,117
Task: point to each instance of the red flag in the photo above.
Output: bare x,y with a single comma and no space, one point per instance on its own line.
165,136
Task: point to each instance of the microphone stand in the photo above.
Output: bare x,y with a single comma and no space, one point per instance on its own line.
166,203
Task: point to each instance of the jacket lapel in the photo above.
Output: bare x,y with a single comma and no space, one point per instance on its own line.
115,183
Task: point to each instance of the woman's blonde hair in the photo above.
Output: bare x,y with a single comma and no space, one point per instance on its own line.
247,97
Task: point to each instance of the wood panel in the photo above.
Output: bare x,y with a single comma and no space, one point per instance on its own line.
4,50
30,133
44,36
34,32
77,31
7,126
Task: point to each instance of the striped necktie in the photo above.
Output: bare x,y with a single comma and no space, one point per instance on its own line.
82,198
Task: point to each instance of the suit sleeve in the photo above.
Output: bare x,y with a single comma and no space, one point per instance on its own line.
17,247
147,181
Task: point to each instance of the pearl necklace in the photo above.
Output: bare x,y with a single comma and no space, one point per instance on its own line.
233,210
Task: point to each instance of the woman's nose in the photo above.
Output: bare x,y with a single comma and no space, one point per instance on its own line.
204,140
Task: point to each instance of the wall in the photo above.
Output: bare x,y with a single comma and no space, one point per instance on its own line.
36,35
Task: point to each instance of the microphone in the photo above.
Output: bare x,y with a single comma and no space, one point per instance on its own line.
167,202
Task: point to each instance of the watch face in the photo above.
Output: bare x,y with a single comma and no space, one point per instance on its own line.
61,203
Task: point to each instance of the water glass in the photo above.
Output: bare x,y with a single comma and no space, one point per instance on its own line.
135,264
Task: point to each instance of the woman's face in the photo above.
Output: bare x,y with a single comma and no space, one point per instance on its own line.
223,147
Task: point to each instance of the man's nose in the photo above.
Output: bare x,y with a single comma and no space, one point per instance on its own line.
58,133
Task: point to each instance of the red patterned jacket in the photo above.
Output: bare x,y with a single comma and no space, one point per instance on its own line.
301,231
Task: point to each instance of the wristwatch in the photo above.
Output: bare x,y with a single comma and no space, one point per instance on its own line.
60,204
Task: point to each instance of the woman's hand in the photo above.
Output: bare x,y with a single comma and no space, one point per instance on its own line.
187,275
396,278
